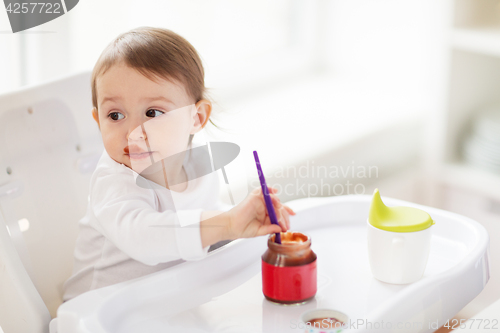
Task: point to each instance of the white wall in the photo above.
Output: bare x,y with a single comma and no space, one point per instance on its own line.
235,39
387,42
391,42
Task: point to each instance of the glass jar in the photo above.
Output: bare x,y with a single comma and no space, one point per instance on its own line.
289,269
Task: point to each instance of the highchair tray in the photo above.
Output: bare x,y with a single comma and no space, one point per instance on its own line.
223,292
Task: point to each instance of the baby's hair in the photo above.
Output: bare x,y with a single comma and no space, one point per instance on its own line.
155,53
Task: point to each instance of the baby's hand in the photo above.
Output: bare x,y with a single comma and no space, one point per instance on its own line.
250,219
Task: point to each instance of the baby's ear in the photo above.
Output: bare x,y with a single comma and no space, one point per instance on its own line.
95,115
204,109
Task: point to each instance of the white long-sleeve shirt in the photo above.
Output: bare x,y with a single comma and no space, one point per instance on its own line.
130,230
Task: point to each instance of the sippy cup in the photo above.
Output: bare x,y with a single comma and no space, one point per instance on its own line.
398,242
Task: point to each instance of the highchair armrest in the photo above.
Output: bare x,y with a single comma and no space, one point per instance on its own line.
53,325
476,323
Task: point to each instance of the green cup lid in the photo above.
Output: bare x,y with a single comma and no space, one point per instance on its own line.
397,219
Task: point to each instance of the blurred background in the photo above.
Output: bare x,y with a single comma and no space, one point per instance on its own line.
337,96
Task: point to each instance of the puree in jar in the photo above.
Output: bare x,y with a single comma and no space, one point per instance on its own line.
291,238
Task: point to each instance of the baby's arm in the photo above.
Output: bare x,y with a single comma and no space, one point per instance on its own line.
247,219
125,215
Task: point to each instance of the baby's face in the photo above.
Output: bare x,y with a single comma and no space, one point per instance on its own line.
143,121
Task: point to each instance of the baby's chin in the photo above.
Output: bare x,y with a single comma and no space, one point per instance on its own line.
138,167
145,167
135,166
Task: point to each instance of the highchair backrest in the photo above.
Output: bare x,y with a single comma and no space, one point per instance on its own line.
49,146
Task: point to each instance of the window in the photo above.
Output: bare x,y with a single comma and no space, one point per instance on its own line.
240,42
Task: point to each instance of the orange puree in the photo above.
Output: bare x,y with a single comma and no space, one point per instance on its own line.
325,323
291,237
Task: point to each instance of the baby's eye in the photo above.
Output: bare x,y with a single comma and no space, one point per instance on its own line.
154,113
113,115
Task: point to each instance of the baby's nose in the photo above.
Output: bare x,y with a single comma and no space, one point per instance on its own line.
137,132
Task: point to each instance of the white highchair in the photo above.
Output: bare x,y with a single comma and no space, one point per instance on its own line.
49,146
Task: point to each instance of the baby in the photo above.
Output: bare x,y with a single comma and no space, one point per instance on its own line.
148,101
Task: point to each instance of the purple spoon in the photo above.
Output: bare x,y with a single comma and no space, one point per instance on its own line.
267,197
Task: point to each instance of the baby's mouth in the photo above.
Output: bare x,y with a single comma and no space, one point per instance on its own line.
139,156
